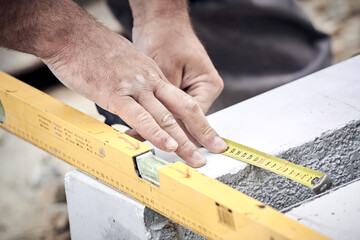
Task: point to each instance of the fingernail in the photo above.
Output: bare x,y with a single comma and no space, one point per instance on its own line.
220,144
171,144
199,159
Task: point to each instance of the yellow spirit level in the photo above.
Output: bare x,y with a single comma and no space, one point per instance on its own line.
177,191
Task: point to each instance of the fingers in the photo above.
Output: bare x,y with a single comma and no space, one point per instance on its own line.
138,118
191,138
189,111
133,133
186,150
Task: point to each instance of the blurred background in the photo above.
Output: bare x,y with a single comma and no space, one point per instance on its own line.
32,202
339,19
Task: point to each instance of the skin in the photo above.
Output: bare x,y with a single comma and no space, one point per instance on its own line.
112,72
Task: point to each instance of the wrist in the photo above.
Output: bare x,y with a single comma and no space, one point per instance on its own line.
154,11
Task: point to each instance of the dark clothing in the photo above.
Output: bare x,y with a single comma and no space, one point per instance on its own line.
255,45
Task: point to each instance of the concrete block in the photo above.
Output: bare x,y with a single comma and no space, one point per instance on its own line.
313,121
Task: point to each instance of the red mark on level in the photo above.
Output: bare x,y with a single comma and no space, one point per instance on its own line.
261,161
186,174
132,146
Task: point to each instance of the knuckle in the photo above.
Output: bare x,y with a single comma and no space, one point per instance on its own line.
217,86
191,104
157,136
206,130
151,74
161,86
117,88
217,81
139,79
157,133
168,121
187,146
143,119
220,84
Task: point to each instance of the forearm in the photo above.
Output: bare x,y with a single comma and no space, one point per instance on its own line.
153,10
41,27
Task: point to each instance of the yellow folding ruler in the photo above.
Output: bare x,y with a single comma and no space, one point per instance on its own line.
177,191
315,180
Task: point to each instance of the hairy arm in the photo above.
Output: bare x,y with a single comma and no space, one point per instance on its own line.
41,27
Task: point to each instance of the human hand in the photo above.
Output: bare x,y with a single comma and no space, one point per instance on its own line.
112,72
171,42
162,30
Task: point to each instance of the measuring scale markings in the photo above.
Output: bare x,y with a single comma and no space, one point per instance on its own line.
300,174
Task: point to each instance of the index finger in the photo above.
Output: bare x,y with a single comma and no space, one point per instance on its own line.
189,111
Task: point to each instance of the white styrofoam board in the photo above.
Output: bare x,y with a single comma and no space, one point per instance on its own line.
335,214
96,211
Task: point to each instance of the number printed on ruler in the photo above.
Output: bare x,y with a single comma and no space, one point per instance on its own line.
279,166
